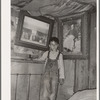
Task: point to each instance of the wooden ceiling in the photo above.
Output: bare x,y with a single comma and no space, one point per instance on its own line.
58,8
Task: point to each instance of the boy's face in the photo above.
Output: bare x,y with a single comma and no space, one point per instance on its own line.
53,45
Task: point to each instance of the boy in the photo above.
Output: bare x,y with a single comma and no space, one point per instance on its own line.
54,70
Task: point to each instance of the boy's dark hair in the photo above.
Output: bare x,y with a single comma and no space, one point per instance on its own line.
55,39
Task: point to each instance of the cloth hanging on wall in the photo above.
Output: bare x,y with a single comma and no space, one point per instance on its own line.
57,8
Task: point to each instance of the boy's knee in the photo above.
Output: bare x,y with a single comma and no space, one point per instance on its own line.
45,95
45,98
52,96
46,81
46,84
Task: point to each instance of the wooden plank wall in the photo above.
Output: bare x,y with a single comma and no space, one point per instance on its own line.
25,80
85,74
92,67
80,75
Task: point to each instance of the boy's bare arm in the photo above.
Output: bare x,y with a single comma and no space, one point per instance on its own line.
61,69
41,59
61,81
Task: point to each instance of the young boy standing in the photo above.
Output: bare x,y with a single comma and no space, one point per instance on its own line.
54,70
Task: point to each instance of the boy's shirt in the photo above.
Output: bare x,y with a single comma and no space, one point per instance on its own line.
60,64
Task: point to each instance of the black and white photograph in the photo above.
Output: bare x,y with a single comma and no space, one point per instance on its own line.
75,37
72,36
33,32
53,50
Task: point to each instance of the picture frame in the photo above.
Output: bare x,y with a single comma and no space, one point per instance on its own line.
75,38
33,32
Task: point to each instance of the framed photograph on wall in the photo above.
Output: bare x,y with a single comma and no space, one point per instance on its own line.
75,36
33,32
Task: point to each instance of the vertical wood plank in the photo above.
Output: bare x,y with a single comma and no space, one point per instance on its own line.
60,36
41,88
81,80
54,34
13,86
92,67
34,87
22,87
92,77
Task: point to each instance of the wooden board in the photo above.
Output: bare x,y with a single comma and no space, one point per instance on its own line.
81,76
13,87
92,67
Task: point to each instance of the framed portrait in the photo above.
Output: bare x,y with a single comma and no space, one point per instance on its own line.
33,32
75,36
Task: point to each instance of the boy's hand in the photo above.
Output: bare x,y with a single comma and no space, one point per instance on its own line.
61,81
32,57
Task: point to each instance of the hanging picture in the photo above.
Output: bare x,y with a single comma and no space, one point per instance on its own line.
75,31
33,32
